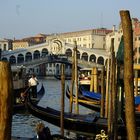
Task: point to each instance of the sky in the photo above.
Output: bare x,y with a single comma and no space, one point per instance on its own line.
25,18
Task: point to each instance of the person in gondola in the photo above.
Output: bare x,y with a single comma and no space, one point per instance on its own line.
43,133
33,82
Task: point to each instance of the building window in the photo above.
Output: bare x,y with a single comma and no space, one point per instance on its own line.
139,49
92,45
4,48
103,46
4,45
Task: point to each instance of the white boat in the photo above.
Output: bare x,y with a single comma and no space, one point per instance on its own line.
85,76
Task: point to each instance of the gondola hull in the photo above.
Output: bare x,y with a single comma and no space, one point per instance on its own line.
91,104
89,124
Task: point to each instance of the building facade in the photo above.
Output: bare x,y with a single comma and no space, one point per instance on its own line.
5,44
93,39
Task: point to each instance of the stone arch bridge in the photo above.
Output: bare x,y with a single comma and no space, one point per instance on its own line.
54,47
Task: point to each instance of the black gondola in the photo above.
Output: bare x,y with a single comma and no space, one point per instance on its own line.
84,101
90,124
96,107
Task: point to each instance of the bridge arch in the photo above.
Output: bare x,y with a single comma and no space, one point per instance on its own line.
68,52
44,52
100,60
36,54
92,58
28,56
4,59
12,59
84,56
20,58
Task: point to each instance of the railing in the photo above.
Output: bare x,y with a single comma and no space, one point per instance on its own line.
88,64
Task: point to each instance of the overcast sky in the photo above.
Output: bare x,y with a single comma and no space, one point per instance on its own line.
25,18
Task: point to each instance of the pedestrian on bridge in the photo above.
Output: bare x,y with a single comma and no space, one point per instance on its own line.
33,82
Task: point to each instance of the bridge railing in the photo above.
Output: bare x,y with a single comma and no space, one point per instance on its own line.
88,64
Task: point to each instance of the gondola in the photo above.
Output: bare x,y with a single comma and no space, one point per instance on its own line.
89,124
84,101
92,96
94,105
20,106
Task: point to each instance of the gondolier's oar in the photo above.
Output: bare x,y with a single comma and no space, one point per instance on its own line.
23,94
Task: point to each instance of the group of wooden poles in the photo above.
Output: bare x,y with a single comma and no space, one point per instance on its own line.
109,87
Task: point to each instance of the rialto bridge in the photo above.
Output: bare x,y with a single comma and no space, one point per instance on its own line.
57,47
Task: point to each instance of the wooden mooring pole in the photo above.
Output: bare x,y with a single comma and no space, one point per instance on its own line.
62,98
72,83
76,81
128,75
107,87
92,81
111,94
102,110
6,89
114,93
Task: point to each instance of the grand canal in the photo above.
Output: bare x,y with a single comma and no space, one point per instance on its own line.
23,125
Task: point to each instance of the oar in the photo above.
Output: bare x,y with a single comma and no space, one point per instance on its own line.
23,94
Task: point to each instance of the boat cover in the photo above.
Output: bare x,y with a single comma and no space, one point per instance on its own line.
93,95
137,100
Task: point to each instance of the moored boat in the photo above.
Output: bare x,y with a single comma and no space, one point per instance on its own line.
90,124
20,105
86,102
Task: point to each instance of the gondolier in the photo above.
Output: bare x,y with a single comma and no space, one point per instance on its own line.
33,82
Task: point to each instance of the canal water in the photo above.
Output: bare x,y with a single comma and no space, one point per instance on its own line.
23,125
